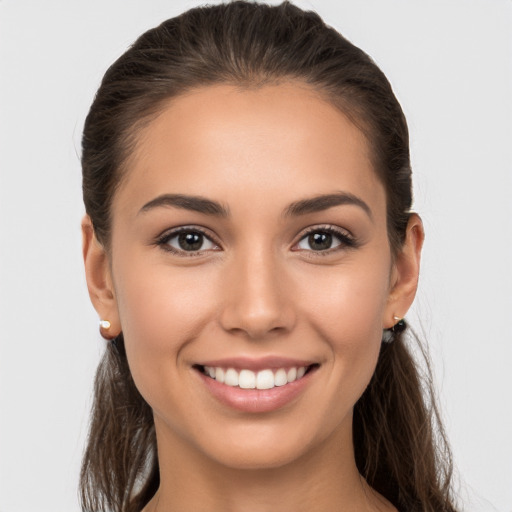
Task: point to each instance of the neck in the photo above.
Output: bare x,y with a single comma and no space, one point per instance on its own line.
325,478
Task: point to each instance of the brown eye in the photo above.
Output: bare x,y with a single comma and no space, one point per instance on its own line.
188,241
319,241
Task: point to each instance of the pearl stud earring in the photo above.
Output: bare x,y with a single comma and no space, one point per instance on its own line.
105,324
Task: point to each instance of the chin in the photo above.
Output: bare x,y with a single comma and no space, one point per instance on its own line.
261,447
258,457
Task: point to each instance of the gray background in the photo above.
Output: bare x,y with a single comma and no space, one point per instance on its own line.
450,63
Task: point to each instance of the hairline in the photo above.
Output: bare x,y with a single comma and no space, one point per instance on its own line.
131,138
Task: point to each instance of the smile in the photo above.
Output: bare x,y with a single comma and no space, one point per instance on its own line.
248,379
256,386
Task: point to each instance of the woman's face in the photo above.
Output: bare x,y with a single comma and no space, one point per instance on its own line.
249,245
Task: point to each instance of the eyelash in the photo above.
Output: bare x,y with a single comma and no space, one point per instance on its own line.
163,240
346,240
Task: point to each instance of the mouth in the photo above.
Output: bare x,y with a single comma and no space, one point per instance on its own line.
264,379
251,386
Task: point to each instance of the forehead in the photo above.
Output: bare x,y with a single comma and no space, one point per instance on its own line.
226,143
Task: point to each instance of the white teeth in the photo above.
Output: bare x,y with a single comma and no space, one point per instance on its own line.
247,379
220,375
292,374
231,377
265,379
280,378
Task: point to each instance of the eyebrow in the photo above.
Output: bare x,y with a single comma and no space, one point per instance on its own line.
324,202
295,209
194,203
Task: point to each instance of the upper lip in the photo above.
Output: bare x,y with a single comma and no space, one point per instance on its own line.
256,364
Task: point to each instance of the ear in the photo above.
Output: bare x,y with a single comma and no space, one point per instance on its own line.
99,279
405,273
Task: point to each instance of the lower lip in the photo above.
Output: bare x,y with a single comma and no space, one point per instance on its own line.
257,400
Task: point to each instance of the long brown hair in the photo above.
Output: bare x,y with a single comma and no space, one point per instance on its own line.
399,442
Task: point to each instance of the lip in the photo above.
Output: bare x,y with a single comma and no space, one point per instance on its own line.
257,400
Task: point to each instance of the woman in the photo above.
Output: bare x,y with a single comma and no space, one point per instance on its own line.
250,249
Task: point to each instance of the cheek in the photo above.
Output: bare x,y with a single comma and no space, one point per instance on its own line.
346,306
162,309
349,297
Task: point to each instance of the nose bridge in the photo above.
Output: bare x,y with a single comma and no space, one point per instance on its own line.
257,301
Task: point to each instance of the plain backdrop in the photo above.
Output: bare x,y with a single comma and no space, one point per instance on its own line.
450,63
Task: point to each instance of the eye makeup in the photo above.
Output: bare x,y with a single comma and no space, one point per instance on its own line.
323,237
194,237
189,241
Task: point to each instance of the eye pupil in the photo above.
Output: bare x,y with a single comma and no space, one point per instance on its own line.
190,241
320,241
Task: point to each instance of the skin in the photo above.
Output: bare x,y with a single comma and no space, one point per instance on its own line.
258,288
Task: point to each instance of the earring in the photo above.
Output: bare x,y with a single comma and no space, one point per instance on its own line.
105,324
399,326
388,335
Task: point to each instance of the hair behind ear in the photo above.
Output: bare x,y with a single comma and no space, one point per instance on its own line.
396,427
120,468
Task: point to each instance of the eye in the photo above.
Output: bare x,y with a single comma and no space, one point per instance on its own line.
187,240
325,239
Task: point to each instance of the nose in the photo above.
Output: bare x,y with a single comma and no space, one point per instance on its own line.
258,299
